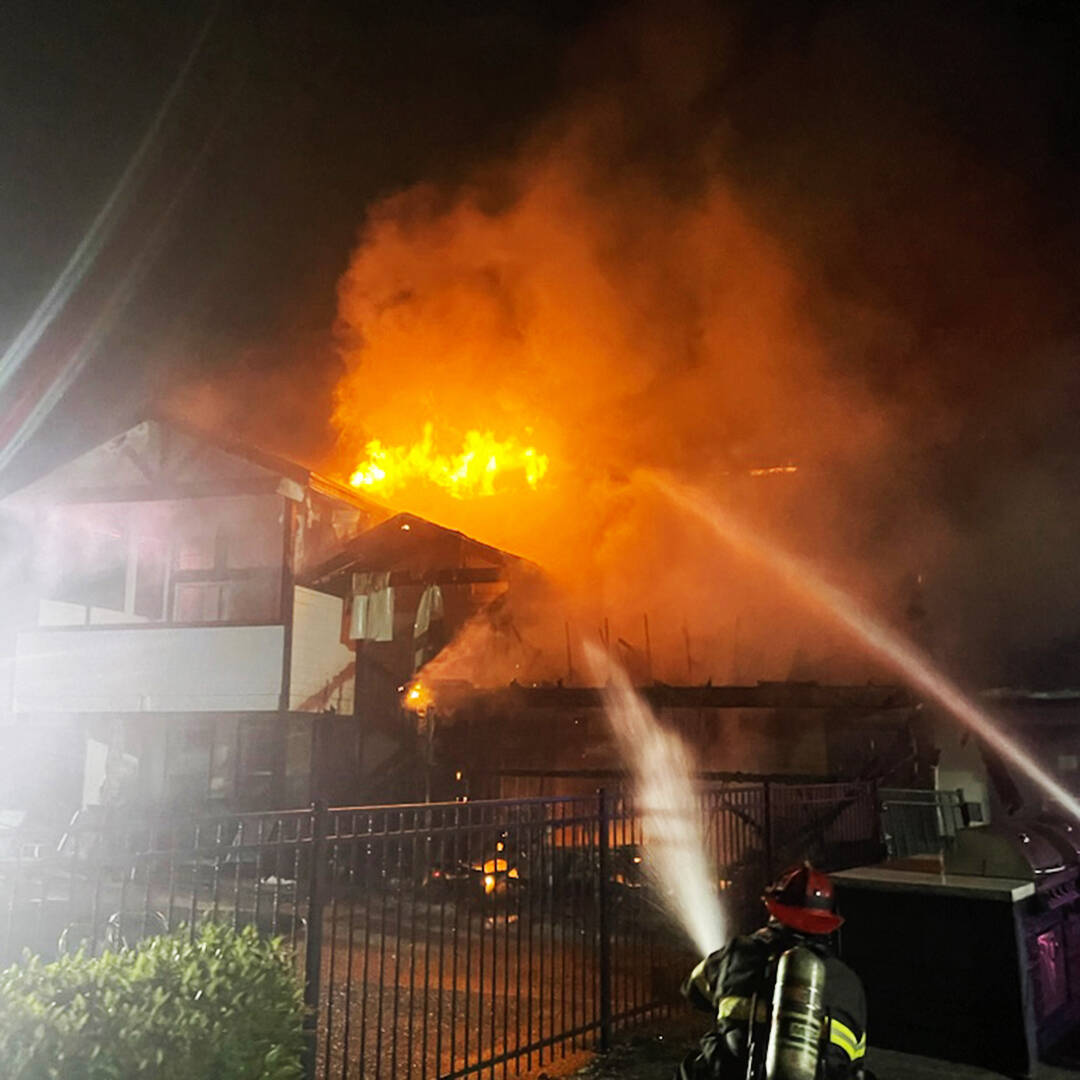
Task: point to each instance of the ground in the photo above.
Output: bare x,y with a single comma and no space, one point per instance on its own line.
654,1056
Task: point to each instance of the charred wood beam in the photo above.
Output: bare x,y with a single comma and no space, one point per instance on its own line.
467,575
618,776
762,696
338,579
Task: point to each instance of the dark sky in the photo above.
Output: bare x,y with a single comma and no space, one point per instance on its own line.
311,112
872,118
919,159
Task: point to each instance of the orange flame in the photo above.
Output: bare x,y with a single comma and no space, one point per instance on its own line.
774,470
477,470
418,697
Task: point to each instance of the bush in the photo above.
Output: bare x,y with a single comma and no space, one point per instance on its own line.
225,1006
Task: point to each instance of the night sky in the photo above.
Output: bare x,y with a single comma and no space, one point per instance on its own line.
920,159
302,114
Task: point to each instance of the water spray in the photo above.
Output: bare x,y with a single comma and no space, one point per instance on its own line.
891,647
666,796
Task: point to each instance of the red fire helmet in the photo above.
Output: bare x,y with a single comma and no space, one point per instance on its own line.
802,898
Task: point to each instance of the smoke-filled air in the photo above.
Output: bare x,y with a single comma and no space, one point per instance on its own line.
514,349
915,668
517,343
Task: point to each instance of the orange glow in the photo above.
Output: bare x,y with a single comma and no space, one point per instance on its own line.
489,883
483,466
418,697
774,470
514,349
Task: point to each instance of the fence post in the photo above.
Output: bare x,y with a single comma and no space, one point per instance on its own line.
878,810
604,928
320,822
767,828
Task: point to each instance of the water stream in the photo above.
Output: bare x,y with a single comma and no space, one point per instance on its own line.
893,648
666,796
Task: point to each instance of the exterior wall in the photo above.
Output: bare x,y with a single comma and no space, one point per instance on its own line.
7,680
754,740
42,770
720,740
322,667
63,613
165,669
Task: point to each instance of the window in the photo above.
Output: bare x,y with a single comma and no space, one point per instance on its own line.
187,764
94,562
253,599
223,760
196,553
252,548
247,599
199,602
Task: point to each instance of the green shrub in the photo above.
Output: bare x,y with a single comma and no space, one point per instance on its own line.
225,1006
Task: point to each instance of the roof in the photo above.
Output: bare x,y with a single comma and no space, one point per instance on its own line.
166,458
408,542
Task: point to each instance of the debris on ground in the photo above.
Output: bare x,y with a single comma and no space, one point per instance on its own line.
651,1056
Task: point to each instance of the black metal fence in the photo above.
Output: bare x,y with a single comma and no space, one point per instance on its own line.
436,940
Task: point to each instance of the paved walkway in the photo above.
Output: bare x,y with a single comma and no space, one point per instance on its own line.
654,1057
889,1065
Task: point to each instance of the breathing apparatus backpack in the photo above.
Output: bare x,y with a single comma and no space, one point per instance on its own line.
792,1050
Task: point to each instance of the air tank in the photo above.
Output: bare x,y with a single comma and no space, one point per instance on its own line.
798,1012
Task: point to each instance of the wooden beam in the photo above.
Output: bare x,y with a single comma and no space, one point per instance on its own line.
778,695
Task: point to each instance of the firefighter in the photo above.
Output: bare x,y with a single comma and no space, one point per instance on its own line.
738,978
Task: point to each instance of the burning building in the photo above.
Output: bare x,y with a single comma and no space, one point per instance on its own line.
194,620
164,649
410,588
199,622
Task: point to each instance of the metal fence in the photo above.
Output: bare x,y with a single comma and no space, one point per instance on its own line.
435,940
920,822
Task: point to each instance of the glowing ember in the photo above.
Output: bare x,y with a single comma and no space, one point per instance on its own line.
483,466
418,697
774,470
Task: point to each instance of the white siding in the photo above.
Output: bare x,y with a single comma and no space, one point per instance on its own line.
161,669
100,616
7,676
60,613
321,665
64,613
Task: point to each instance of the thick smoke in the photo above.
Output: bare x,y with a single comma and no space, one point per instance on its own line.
840,236
736,249
618,319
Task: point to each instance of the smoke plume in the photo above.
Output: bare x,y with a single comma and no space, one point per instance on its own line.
617,319
834,237
736,250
